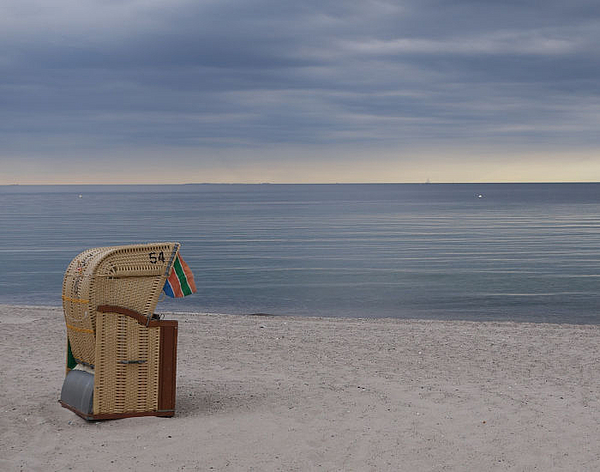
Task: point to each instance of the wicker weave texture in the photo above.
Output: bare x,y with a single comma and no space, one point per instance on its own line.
127,276
78,308
127,365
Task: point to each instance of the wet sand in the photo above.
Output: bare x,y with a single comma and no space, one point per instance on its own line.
280,393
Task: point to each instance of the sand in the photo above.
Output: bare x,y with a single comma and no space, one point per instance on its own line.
280,393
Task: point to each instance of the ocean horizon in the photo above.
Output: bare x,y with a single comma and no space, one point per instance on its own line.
523,252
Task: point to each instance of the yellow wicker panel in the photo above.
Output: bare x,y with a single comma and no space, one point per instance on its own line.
119,386
78,308
136,293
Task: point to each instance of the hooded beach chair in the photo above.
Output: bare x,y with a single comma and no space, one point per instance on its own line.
121,358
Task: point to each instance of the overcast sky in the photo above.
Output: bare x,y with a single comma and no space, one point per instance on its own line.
308,91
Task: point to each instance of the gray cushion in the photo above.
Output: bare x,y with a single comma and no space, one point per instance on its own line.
78,391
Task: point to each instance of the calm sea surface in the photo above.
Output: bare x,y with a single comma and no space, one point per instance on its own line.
457,251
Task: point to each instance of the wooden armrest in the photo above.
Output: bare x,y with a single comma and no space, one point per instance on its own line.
141,319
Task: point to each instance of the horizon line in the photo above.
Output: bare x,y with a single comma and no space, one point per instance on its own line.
301,183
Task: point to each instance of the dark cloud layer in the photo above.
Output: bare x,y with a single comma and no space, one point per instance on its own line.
233,73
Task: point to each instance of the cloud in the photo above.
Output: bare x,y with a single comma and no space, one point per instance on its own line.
102,78
531,43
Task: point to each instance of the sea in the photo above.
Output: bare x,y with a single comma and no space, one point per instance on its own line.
519,252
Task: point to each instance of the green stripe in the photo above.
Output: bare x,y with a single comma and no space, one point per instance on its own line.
185,288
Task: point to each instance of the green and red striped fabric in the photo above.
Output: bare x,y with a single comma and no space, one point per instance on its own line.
180,281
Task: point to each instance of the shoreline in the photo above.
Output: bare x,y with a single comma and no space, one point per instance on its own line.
171,313
313,393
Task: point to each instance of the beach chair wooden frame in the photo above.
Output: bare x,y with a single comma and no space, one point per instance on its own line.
125,355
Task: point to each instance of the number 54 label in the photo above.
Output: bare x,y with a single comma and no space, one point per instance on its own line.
155,257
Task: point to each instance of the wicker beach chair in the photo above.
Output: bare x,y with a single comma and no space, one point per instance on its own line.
121,359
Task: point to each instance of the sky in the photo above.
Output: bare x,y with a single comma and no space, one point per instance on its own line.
177,91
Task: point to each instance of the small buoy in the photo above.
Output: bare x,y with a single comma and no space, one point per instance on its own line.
80,196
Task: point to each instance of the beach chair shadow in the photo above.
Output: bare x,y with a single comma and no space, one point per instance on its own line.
212,397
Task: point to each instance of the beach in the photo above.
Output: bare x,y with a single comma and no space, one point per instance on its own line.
262,393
